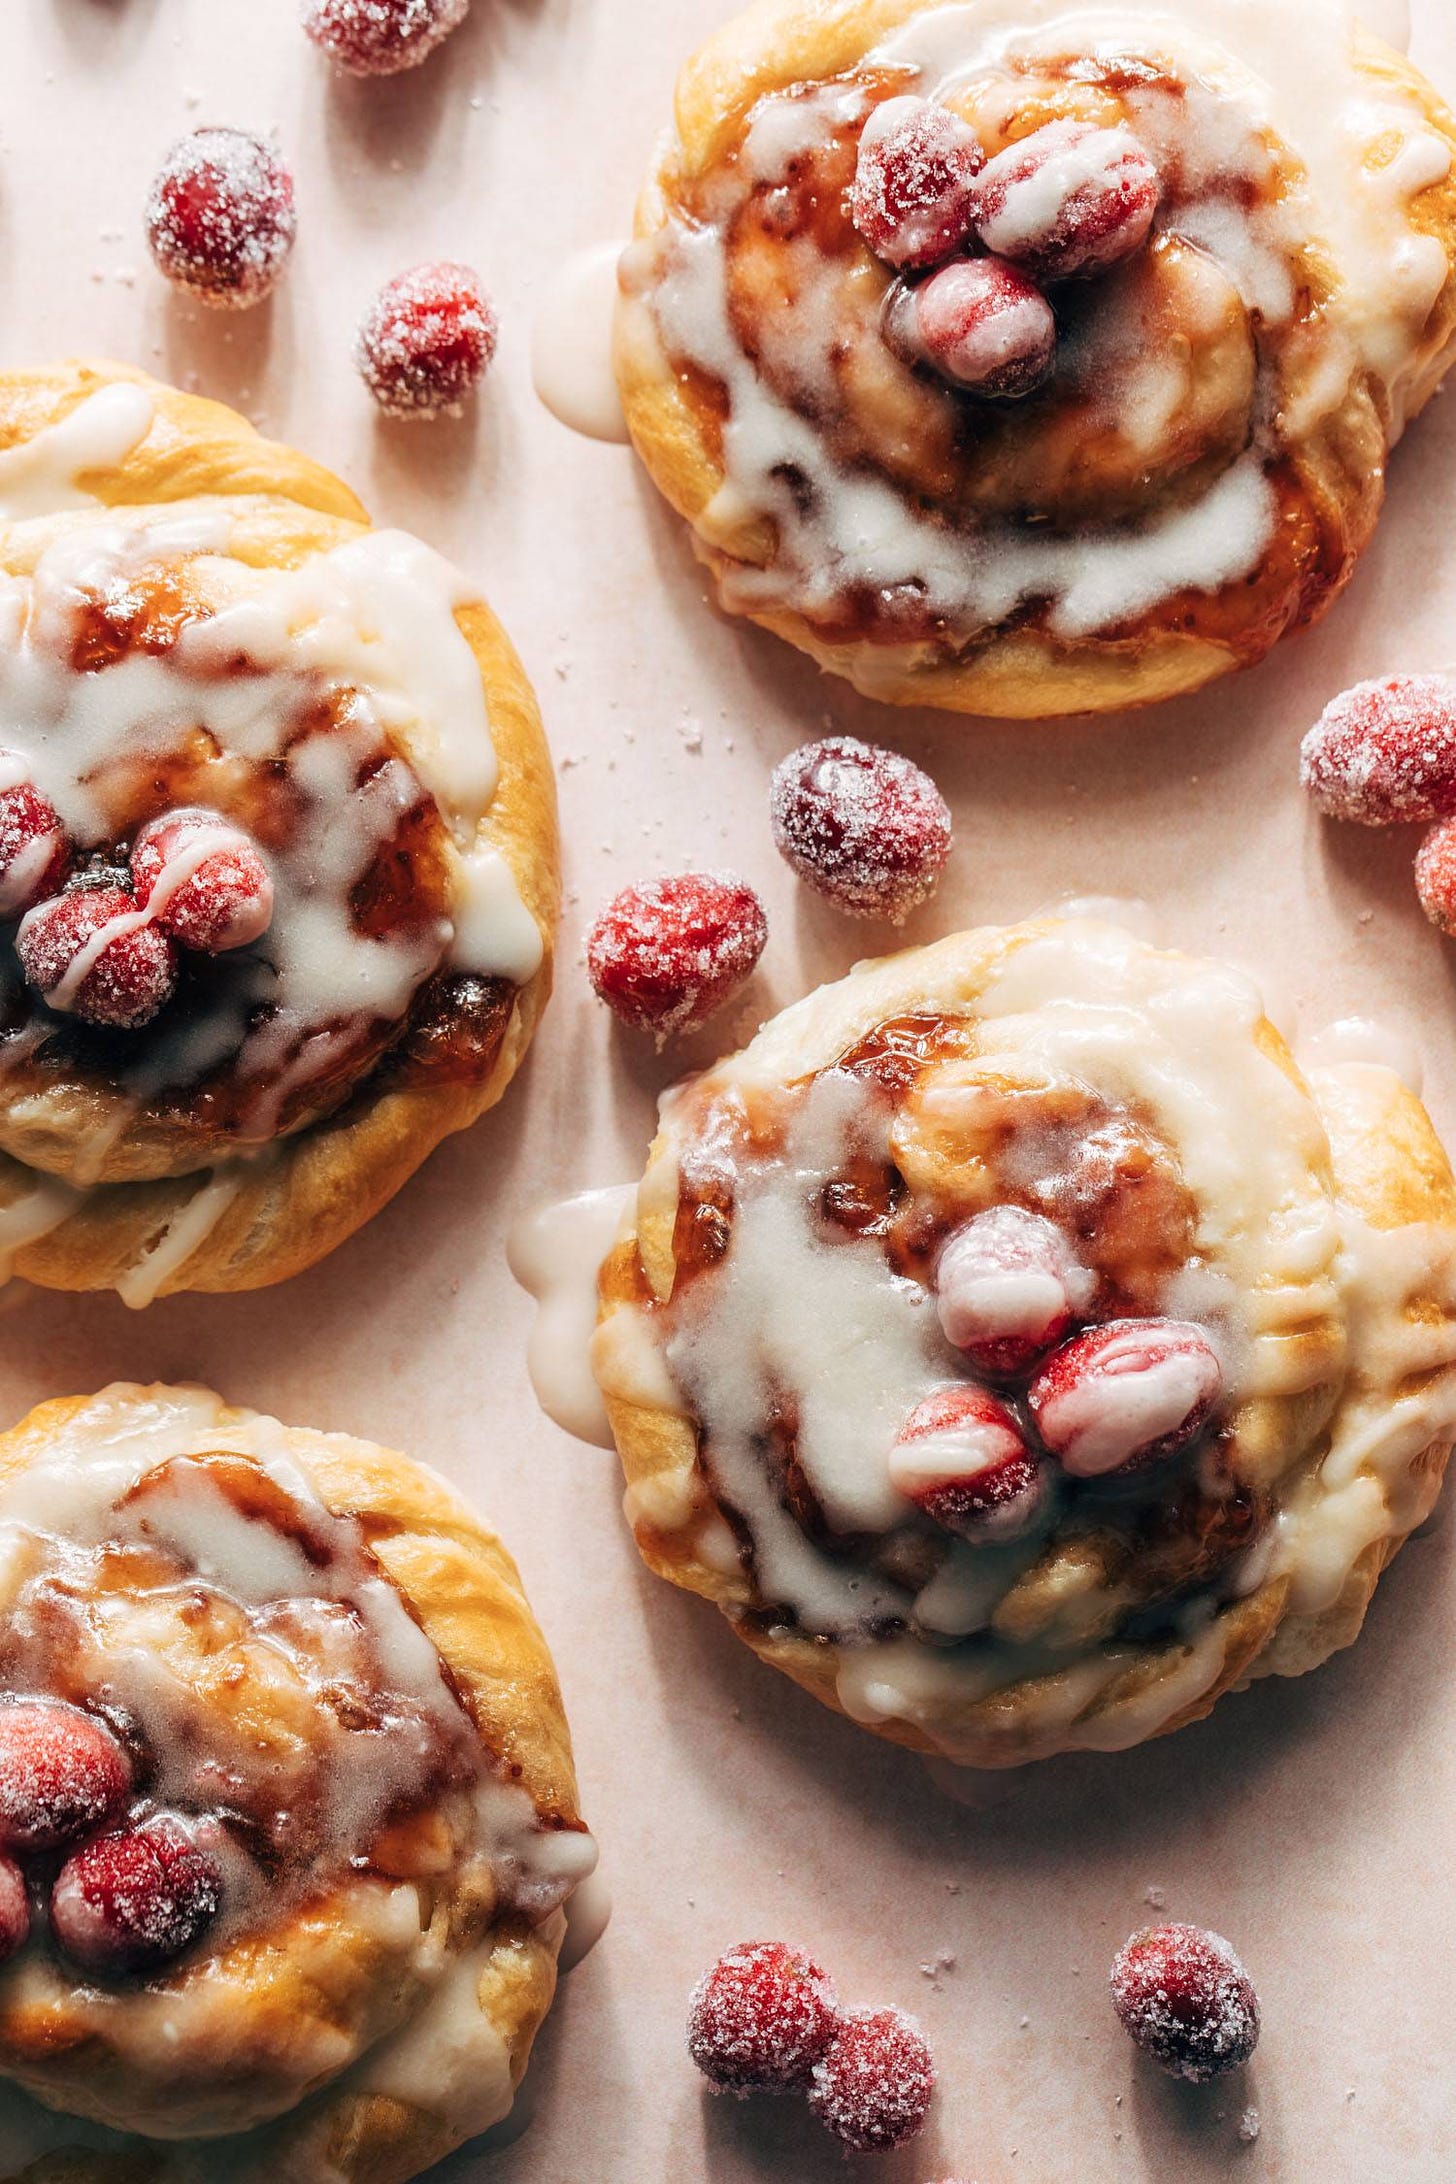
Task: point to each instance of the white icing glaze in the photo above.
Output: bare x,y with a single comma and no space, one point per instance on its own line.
571,345
41,477
180,1240
30,1216
554,1252
1364,1039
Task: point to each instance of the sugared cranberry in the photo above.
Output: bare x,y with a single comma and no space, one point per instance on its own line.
62,1773
1121,1397
986,327
381,37
1009,1287
203,881
861,825
35,855
14,1909
911,198
760,2018
666,955
1187,2001
962,1457
136,1899
93,954
873,2087
220,218
1068,199
426,341
1436,876
1385,752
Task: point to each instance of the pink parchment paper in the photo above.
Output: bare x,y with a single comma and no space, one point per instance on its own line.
1311,1822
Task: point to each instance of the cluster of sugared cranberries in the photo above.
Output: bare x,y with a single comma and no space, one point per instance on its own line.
1384,754
426,341
668,954
1187,2001
381,37
126,1897
861,825
766,2019
1063,203
109,953
220,218
1104,1402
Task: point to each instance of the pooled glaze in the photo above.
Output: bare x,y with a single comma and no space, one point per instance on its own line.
554,1253
571,346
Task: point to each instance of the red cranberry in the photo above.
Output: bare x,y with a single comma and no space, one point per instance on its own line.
1009,1287
134,1900
220,218
962,1457
93,954
1121,1397
986,327
1068,199
1385,752
381,37
426,341
62,1773
35,856
1436,876
873,2087
203,881
1186,2000
861,825
666,955
760,2018
912,197
14,1909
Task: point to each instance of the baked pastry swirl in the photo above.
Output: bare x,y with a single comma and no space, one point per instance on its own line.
1022,1353
303,1923
1037,357
278,860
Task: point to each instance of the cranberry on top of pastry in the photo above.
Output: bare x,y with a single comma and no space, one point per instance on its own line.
287,1812
278,864
1021,1352
1030,356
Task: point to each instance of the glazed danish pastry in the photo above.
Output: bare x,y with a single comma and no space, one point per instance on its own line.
1021,1352
1037,356
286,1799
278,859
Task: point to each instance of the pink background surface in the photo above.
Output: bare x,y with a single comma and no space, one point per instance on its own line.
1309,1822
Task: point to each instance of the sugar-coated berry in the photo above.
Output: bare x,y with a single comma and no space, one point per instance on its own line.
136,1899
666,955
1069,199
760,2018
1009,1287
873,2087
963,1458
861,825
14,1909
220,218
93,953
426,341
1187,2001
381,37
35,855
62,1773
1385,752
203,881
912,195
986,327
1126,1395
1436,876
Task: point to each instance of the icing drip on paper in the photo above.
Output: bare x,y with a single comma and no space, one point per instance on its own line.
571,346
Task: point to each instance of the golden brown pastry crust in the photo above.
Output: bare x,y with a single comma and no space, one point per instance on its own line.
1020,672
1380,1160
463,1589
317,1188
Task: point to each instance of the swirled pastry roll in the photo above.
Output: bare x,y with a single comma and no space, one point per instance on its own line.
1037,356
287,1811
1022,1353
278,861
